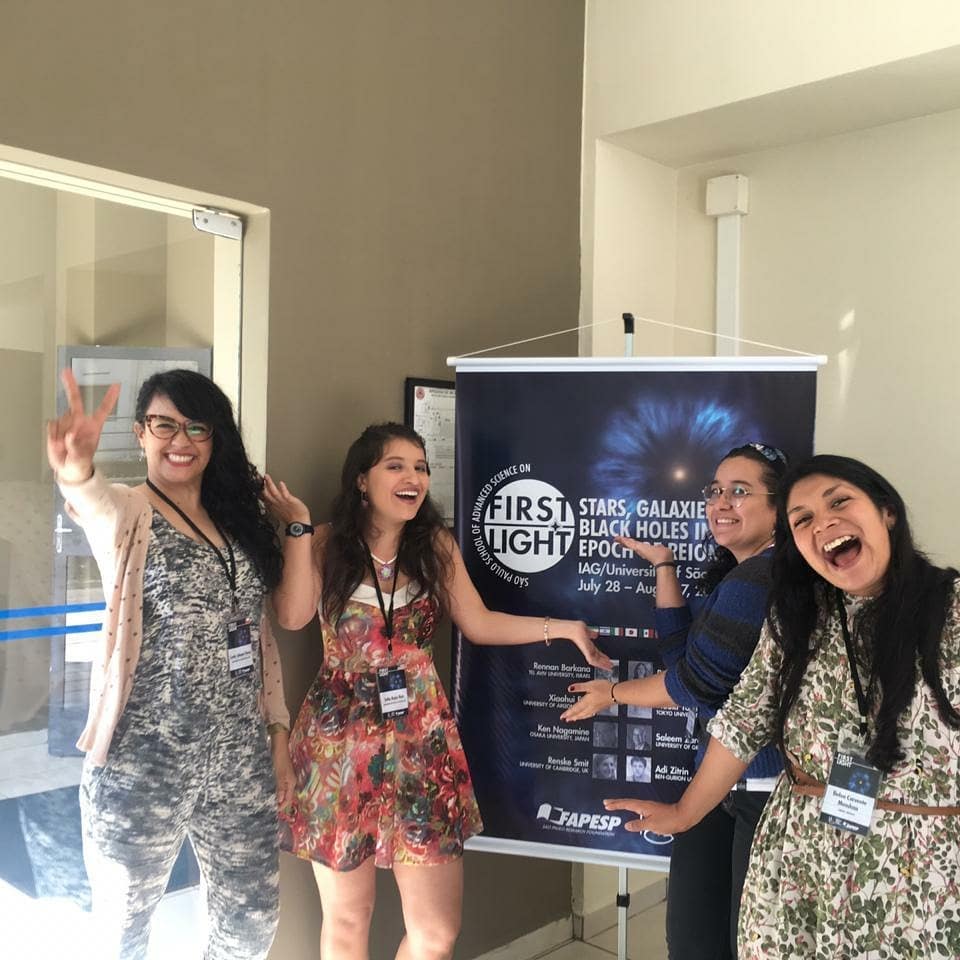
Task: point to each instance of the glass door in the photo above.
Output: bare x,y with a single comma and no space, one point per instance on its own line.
115,289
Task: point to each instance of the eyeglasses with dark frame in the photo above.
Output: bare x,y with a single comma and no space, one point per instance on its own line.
166,428
735,494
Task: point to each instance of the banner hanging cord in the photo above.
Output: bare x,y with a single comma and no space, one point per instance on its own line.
658,323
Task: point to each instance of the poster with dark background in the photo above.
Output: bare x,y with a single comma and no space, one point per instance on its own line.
551,465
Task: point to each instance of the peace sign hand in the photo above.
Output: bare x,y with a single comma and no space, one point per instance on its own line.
73,438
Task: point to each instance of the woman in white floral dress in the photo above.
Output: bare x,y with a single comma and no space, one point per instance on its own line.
845,554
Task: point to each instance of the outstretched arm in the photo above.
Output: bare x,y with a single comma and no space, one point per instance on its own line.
599,694
484,626
718,773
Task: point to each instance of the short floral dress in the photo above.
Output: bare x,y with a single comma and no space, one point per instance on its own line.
813,891
397,790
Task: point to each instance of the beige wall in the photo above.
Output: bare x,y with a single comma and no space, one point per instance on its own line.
636,248
421,165
650,61
851,250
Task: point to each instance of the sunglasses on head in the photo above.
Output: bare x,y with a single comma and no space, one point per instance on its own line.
770,453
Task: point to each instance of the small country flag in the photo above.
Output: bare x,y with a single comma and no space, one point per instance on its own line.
648,634
631,632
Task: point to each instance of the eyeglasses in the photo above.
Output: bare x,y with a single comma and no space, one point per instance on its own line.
771,453
166,428
735,495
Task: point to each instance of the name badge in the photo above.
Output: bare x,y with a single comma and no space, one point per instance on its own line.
239,646
392,687
851,792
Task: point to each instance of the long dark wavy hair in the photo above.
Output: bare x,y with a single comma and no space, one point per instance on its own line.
895,630
231,485
421,554
774,464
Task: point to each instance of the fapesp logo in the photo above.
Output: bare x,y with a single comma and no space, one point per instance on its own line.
577,820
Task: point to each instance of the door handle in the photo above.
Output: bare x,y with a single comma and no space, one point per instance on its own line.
60,530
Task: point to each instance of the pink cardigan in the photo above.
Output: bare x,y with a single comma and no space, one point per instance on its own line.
116,520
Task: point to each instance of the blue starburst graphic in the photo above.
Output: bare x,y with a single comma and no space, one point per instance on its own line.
667,448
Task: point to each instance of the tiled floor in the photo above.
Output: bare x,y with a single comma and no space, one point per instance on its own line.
179,922
39,928
645,941
645,936
27,768
178,929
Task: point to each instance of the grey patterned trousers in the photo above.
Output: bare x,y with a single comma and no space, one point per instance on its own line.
159,785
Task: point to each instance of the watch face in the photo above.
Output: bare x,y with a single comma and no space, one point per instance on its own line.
295,529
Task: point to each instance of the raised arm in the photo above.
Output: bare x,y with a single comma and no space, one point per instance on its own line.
483,626
296,597
72,439
668,592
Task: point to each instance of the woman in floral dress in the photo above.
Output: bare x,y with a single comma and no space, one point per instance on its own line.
382,780
847,576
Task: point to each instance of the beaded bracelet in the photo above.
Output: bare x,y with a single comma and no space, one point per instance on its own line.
546,631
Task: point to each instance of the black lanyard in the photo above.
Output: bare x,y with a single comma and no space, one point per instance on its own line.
855,673
230,569
387,614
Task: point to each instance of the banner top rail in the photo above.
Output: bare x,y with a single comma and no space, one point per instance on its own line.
566,364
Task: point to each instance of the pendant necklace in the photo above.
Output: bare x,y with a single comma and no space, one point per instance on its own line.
385,567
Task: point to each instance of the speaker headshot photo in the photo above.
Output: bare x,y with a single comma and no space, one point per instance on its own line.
638,769
604,766
605,734
639,737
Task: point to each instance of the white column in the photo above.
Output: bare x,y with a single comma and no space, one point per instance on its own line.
727,200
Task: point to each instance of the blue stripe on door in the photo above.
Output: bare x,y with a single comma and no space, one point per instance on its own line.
15,613
19,613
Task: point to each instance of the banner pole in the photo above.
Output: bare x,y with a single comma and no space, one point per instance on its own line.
623,886
623,907
628,323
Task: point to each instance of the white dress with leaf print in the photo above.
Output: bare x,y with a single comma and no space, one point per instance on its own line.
813,891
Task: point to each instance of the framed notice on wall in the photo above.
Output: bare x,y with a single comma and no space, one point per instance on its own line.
430,408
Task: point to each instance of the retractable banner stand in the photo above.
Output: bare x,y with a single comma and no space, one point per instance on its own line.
554,459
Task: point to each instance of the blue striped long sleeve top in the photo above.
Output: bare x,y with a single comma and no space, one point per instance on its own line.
706,649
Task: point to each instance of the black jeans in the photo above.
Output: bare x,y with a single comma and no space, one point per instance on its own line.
707,867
